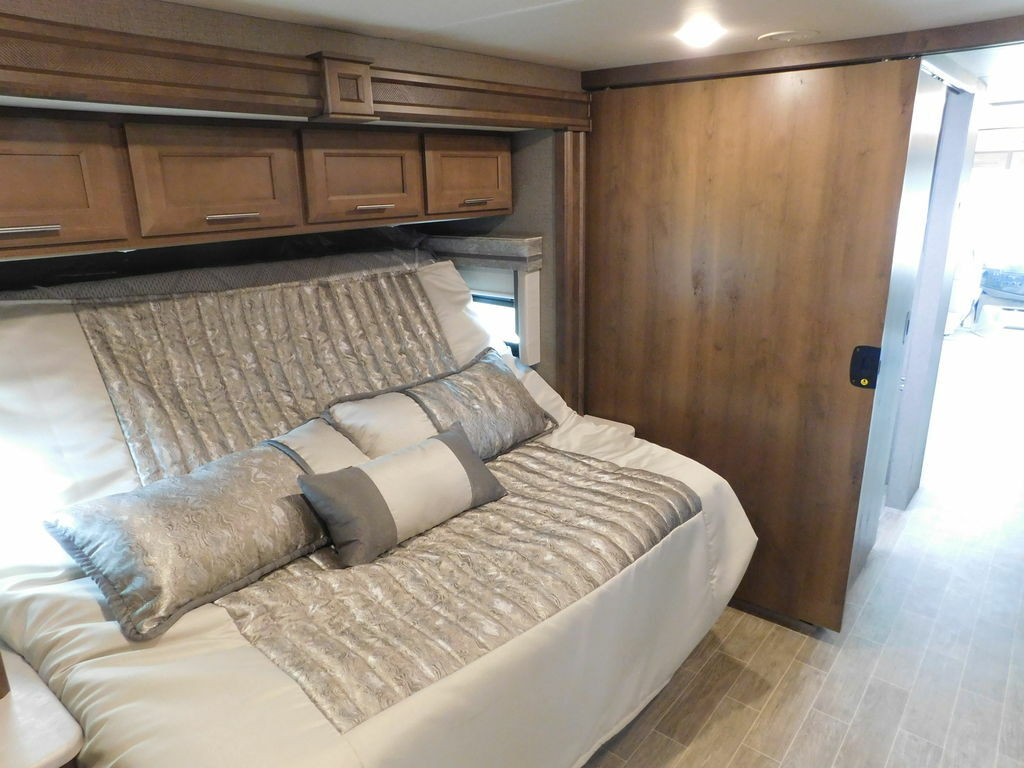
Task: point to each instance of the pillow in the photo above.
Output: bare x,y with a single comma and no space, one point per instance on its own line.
489,401
453,305
373,507
486,398
160,551
316,446
383,424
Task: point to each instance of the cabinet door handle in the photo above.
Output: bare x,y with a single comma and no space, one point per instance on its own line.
376,207
30,230
477,200
229,216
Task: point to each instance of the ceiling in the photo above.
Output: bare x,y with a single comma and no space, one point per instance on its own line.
592,34
1001,69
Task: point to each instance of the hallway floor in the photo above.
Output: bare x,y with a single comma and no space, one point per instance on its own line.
929,670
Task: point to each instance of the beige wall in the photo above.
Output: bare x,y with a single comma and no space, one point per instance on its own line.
198,25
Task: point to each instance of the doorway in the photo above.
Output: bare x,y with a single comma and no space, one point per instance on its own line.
958,472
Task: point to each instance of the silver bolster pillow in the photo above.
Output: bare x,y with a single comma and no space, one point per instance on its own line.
371,508
160,551
486,398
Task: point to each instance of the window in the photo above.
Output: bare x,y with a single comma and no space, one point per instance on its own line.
497,313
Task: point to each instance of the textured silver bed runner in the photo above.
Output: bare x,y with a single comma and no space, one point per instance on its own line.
361,639
193,377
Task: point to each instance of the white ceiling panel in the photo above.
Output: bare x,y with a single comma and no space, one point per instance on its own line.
591,34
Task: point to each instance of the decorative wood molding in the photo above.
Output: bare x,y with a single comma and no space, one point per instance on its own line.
418,97
861,50
571,169
49,60
347,91
65,62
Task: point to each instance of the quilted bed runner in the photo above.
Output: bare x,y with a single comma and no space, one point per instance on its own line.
361,639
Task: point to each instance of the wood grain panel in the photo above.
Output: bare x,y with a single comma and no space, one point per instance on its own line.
61,183
354,175
859,50
571,173
739,243
468,172
210,178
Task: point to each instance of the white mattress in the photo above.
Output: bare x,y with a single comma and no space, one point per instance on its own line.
201,695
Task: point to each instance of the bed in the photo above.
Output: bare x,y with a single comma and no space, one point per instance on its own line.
212,690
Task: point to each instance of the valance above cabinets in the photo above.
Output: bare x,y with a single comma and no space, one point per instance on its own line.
78,186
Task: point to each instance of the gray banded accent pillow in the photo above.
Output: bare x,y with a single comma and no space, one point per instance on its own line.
492,405
316,446
371,508
158,552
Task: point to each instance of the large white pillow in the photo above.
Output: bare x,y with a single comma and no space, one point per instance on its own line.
453,303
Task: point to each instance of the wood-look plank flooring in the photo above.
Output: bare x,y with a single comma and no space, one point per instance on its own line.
928,671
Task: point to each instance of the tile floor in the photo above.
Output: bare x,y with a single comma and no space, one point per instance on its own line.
929,669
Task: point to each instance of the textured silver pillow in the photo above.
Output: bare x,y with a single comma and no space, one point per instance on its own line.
489,401
160,551
373,507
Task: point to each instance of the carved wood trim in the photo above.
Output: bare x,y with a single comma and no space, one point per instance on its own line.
51,60
347,89
419,97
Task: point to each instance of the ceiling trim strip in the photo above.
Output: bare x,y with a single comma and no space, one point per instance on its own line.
902,45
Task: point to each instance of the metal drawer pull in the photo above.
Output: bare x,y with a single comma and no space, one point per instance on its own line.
229,216
477,200
30,230
377,207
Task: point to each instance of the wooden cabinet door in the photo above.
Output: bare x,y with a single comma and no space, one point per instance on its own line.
468,172
193,179
60,182
362,175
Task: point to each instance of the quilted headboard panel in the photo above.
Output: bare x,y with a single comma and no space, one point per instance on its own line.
197,375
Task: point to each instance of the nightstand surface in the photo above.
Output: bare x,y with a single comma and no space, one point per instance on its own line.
36,731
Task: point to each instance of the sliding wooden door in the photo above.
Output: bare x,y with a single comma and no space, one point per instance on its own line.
739,243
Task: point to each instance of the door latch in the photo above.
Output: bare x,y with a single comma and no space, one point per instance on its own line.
864,367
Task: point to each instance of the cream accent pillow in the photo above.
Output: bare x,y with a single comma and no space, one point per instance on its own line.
316,446
383,424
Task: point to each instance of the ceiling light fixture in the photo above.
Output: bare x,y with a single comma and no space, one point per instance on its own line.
700,31
790,35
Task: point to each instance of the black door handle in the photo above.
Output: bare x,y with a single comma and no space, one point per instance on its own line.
864,366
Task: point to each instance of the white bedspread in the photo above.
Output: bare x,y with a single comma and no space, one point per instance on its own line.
202,696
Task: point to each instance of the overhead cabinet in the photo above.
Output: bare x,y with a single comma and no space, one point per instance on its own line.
88,185
60,183
353,175
468,173
193,179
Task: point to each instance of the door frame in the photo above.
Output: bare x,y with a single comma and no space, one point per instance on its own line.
925,128
934,287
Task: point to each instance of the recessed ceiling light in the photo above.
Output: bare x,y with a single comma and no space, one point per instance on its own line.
790,35
700,31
